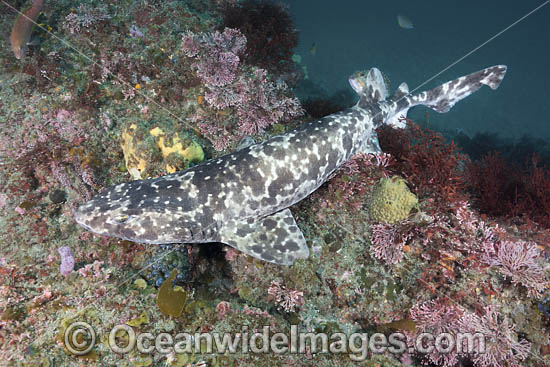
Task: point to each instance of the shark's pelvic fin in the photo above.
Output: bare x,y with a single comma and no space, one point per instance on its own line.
245,143
275,238
371,145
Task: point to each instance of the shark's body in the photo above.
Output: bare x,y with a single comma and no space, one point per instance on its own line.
242,198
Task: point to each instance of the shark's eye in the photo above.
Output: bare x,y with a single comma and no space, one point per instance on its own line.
121,218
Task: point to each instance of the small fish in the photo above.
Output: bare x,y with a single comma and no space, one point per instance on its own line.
22,29
313,49
404,22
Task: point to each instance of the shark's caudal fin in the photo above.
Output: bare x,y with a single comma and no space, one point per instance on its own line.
442,98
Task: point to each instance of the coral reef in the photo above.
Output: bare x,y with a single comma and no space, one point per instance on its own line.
167,259
85,17
431,166
67,260
519,261
141,89
502,347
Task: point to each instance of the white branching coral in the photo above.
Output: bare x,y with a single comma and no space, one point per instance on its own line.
84,17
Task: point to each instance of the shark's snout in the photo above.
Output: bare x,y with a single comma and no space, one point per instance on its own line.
85,215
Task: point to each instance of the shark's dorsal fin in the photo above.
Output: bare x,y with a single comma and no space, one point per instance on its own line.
401,91
275,238
397,120
370,85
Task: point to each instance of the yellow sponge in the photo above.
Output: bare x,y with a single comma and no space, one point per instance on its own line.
391,201
145,147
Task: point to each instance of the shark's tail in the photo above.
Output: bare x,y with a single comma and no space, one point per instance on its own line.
442,98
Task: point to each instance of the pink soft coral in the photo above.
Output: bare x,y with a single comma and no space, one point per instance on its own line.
519,261
217,54
501,346
436,317
388,242
287,299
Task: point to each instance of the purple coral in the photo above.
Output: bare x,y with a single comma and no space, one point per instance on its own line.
256,101
218,134
217,55
219,70
67,260
500,346
519,261
262,103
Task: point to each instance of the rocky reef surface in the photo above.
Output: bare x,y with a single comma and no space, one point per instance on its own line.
112,91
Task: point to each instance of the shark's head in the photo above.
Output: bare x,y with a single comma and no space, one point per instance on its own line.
115,212
136,211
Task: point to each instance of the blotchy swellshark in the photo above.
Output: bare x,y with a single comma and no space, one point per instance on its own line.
242,198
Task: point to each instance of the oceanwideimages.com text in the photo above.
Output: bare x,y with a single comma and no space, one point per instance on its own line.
123,339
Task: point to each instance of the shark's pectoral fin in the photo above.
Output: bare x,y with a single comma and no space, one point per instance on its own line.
396,120
275,238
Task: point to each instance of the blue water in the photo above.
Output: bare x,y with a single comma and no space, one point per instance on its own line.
357,35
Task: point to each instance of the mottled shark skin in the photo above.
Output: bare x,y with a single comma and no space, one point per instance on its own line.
242,199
